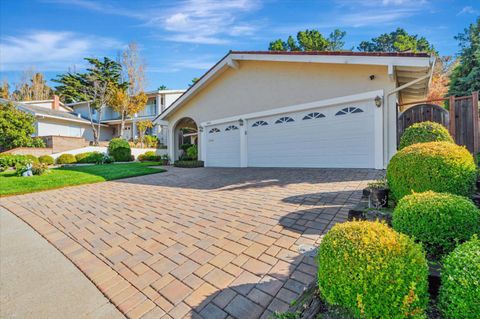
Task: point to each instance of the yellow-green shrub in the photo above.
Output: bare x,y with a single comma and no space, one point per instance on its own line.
66,159
438,166
46,159
459,296
424,132
372,271
438,220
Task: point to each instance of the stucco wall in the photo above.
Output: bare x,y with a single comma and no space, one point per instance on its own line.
258,86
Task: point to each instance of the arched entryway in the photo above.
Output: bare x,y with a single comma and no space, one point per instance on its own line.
185,132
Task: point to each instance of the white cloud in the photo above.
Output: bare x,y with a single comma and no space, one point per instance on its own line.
468,10
190,21
50,51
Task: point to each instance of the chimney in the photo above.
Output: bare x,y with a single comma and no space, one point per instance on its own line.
56,103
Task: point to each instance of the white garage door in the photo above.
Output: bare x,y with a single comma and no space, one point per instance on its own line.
223,145
325,137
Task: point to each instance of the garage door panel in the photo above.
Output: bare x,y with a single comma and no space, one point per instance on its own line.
223,145
331,141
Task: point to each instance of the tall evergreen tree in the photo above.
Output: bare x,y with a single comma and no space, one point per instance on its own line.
397,41
465,77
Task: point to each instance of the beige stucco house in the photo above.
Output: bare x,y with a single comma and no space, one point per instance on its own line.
298,109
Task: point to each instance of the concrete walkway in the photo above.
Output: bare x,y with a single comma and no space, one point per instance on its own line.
37,281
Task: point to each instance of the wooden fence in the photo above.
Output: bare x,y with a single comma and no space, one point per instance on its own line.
462,119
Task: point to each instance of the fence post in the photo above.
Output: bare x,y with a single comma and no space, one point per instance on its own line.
452,117
475,121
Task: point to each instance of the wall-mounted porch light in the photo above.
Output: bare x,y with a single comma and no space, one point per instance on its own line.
378,101
240,122
200,128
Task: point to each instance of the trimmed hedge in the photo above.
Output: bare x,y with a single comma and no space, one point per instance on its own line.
438,166
33,159
120,150
424,132
89,157
46,159
66,159
188,164
149,156
372,271
438,220
459,296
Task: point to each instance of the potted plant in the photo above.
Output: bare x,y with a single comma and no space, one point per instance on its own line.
378,193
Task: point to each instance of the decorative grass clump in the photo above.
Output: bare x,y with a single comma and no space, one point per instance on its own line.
66,159
459,296
437,166
372,271
425,132
46,159
438,220
120,150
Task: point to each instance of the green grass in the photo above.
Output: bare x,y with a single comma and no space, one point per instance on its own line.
10,184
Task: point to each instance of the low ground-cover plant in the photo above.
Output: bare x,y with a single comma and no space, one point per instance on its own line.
66,159
438,166
372,271
120,150
46,159
460,290
188,164
89,157
424,132
438,220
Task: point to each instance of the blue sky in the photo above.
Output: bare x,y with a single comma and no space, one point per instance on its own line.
180,40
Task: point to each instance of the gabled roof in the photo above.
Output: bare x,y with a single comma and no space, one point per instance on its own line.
415,65
40,111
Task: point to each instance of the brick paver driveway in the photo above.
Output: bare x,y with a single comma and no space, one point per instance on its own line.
200,243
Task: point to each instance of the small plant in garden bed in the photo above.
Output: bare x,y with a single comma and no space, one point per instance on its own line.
188,164
66,159
89,157
120,150
46,159
378,193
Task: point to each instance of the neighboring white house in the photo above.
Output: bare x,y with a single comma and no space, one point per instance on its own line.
53,118
298,109
158,101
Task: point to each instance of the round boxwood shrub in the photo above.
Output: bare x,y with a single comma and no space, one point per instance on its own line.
438,166
459,296
372,271
120,150
66,159
424,132
32,159
438,220
46,159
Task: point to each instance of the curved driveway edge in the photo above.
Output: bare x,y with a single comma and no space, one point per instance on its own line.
37,281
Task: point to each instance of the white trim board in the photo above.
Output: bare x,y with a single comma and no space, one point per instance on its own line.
299,107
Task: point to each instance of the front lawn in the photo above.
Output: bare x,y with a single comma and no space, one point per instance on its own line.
10,184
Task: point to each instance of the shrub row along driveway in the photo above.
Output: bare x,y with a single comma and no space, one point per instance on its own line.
201,243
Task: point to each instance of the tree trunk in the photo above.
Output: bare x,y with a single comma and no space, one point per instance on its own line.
141,139
94,130
99,125
122,124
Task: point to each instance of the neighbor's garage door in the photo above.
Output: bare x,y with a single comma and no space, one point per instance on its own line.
326,137
223,145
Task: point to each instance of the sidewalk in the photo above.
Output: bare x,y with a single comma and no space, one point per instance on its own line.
37,281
